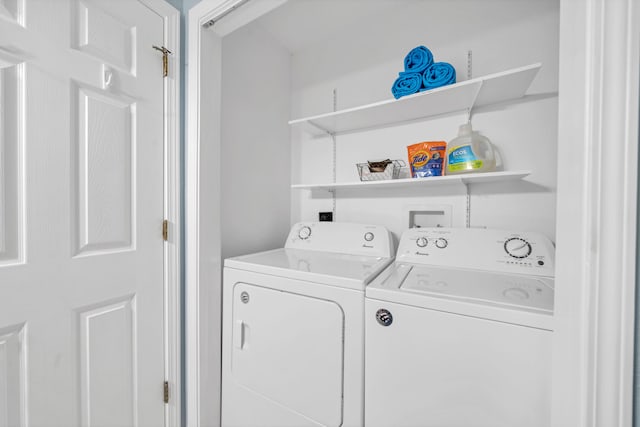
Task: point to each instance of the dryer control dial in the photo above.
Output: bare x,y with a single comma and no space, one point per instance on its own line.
421,242
369,236
441,243
304,233
517,247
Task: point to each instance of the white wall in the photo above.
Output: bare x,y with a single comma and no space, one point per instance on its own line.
362,63
255,150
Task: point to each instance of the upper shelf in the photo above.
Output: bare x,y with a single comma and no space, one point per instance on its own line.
493,88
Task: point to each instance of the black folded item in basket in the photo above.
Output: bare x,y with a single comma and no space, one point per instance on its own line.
378,166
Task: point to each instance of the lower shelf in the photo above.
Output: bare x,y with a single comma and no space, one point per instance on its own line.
472,178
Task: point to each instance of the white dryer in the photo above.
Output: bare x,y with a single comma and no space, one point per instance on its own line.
459,329
293,327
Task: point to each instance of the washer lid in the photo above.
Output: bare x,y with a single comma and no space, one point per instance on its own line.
519,299
349,271
518,291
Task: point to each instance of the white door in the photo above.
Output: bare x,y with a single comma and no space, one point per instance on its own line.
81,205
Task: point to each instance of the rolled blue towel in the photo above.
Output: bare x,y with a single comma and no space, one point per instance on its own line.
418,60
437,75
406,84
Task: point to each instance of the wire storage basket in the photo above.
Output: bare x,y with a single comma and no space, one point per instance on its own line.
380,170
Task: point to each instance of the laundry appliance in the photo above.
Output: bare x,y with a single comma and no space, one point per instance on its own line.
459,330
293,327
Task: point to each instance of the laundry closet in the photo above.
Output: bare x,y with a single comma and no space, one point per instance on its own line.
309,58
296,93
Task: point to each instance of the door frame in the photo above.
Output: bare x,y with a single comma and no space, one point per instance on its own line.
203,260
203,269
597,213
172,202
596,217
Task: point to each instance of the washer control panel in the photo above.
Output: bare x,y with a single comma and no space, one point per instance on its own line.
342,237
481,249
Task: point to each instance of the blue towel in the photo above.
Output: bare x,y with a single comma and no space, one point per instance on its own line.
418,60
438,74
406,84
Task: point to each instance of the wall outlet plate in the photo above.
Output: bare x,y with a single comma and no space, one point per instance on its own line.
325,216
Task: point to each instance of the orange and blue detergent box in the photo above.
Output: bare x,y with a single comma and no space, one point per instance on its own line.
427,158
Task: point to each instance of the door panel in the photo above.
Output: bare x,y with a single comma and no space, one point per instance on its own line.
103,168
11,148
108,352
289,349
81,193
11,9
12,376
103,36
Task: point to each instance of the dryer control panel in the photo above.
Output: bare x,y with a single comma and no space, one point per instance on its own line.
480,249
341,237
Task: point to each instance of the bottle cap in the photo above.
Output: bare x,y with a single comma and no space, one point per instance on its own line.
465,129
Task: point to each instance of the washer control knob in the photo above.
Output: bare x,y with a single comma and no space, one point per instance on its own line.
369,236
384,317
441,243
421,242
517,247
304,233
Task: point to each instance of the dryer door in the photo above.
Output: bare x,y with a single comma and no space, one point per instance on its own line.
289,349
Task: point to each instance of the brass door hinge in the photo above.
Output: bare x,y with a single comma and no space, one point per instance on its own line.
166,392
165,230
165,59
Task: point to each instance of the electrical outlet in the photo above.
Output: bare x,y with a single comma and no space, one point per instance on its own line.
325,216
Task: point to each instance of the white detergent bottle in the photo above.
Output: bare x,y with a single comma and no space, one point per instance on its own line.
470,152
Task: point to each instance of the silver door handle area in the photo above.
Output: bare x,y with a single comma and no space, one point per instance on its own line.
239,334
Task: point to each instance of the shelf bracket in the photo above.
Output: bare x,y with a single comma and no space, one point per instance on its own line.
320,128
475,98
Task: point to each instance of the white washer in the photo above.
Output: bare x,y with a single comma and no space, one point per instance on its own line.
293,327
458,331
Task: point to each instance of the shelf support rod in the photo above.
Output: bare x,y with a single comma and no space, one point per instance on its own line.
468,209
335,157
211,22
